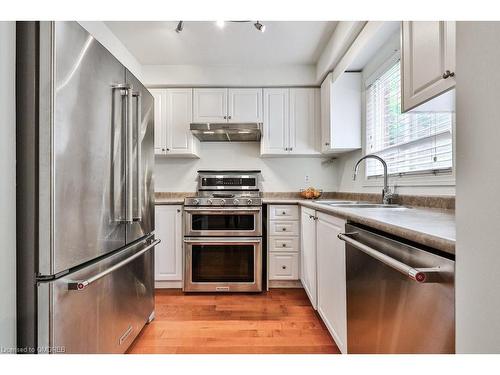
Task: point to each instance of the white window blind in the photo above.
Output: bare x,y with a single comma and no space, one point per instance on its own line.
409,143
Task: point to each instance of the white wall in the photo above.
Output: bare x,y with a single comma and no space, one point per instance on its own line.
105,36
7,186
478,188
345,165
279,174
220,75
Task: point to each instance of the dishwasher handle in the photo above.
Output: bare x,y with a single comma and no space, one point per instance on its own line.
420,275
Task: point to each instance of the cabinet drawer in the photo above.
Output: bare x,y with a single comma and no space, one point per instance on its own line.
283,266
286,244
283,228
288,212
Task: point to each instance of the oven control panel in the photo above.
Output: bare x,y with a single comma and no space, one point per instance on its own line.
220,202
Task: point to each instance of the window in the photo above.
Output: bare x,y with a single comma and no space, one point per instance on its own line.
409,143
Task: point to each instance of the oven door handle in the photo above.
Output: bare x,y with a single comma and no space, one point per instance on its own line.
223,241
223,211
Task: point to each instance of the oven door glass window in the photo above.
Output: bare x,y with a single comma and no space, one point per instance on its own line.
221,222
223,263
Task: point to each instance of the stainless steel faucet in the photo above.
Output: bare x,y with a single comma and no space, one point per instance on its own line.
387,194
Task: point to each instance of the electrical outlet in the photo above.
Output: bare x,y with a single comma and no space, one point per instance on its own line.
307,178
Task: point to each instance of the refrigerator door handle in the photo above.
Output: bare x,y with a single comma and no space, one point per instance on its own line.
129,211
82,284
125,89
137,95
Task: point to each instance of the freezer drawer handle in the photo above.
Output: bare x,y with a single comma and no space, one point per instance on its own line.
420,275
82,284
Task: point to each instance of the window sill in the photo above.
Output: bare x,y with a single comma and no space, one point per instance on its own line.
413,181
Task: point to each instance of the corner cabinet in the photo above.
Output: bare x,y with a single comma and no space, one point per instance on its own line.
173,116
218,105
428,61
331,277
291,122
341,113
168,253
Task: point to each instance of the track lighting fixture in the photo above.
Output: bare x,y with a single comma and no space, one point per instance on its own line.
179,27
260,26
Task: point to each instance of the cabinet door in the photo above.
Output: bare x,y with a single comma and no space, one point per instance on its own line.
304,120
159,96
428,51
308,253
245,105
168,253
332,277
276,122
326,88
210,105
179,111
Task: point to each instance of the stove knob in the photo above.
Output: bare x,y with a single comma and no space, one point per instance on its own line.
210,201
236,202
249,201
196,201
222,202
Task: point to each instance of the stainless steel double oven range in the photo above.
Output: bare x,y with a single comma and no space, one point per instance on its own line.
223,233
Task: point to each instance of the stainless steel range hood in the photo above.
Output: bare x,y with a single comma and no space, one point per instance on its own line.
224,132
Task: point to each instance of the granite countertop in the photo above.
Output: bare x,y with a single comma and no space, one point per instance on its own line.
427,226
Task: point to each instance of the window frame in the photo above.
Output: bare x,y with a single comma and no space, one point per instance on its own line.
445,177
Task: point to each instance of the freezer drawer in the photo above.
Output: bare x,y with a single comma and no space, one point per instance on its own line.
88,312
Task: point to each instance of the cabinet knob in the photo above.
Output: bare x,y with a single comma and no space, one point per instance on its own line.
229,117
283,245
163,150
283,229
290,149
286,148
283,213
178,210
225,117
327,144
168,149
448,74
284,267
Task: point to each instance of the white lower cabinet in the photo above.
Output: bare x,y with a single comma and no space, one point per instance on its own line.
168,253
284,266
283,242
308,253
331,277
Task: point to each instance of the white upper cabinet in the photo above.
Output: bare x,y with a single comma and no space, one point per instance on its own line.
180,140
304,120
160,140
244,105
168,253
341,113
275,128
308,253
210,105
428,61
291,122
173,115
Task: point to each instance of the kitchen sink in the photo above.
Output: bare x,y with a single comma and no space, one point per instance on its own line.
354,204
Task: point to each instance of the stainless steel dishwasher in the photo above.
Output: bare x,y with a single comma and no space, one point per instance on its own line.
400,298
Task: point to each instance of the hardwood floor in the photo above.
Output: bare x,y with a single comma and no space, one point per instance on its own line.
279,321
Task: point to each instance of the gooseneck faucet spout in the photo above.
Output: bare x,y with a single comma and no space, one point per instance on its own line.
387,195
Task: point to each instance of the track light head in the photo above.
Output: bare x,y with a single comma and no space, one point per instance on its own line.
179,27
260,26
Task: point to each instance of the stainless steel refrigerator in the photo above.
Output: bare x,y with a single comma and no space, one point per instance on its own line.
85,196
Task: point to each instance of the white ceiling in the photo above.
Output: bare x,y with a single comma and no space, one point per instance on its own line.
204,43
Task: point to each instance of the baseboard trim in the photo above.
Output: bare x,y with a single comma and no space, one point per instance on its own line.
285,284
168,284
